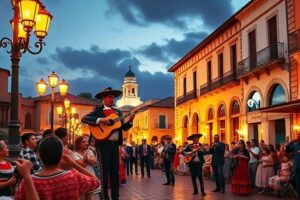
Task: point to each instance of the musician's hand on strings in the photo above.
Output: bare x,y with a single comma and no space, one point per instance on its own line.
105,121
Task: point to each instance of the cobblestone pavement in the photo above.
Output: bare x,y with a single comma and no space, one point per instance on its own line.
138,188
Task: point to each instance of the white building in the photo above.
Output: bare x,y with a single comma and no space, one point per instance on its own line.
130,96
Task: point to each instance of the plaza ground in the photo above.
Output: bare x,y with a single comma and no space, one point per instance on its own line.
138,188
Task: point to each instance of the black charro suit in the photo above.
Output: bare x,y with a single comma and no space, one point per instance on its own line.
196,167
169,153
108,151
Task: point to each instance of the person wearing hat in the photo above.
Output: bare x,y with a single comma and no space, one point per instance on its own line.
108,150
168,155
196,164
144,155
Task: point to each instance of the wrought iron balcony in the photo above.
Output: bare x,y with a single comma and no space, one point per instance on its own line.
190,95
227,78
294,41
262,58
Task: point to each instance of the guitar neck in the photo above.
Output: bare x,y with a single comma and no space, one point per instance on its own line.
122,117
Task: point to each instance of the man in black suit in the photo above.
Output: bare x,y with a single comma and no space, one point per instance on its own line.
144,154
134,158
294,149
217,150
168,155
196,164
128,153
108,150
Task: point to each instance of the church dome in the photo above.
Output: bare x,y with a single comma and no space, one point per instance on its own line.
129,73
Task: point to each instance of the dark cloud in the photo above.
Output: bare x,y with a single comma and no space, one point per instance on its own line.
172,12
109,68
42,61
173,49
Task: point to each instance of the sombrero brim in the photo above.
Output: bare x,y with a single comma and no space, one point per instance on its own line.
116,93
191,137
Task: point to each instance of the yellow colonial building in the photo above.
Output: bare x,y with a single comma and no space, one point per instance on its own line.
226,84
154,121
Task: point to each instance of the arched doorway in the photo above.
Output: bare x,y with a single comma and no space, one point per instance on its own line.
185,123
195,123
28,121
235,120
221,121
209,126
154,140
277,96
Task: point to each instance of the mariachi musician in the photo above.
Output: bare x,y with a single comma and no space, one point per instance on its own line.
196,164
108,150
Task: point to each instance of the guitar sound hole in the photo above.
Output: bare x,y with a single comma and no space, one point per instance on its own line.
110,122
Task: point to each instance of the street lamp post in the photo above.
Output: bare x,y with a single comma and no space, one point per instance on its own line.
28,15
53,82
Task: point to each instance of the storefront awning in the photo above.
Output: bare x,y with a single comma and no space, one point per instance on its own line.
288,107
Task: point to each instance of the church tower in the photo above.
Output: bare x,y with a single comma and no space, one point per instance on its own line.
130,91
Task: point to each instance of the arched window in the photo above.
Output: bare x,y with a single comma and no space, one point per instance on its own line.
210,115
221,111
254,101
235,108
28,121
277,95
185,122
154,139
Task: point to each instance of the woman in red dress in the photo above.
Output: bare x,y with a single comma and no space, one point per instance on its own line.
122,165
240,175
176,160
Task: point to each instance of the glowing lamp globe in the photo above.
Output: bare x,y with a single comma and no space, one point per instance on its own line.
67,103
28,11
53,80
63,87
43,19
59,110
41,87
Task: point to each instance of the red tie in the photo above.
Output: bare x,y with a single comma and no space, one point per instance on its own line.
108,112
145,150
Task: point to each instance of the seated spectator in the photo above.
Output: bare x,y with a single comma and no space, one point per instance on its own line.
28,151
7,179
283,175
55,183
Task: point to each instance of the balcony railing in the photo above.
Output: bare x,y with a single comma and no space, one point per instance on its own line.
263,57
227,78
190,95
294,41
167,126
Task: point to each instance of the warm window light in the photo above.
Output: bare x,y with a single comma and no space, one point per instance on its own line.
59,110
73,110
63,87
21,32
28,12
42,20
41,87
53,79
67,103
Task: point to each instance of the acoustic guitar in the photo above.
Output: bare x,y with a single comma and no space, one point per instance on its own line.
103,131
190,156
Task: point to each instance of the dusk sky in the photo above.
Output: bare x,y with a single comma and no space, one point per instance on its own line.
91,43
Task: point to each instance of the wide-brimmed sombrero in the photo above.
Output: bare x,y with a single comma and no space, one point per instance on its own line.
191,137
108,91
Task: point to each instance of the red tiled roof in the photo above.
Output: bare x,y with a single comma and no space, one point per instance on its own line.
73,99
164,103
5,70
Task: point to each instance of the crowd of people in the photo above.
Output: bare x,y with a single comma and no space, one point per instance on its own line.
51,168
